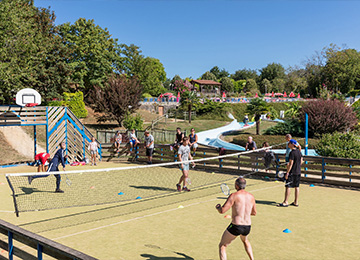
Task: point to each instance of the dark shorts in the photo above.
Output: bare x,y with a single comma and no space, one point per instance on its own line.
237,230
149,151
293,181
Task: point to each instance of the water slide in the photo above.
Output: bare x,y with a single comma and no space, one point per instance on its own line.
212,137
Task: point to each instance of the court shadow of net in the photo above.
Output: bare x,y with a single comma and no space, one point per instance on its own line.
153,257
152,188
266,202
123,209
28,191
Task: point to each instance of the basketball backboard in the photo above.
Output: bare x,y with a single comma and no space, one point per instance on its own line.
28,96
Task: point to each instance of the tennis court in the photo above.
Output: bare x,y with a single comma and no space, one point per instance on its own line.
187,226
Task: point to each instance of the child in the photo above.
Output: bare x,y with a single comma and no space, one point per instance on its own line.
118,140
93,148
269,157
133,140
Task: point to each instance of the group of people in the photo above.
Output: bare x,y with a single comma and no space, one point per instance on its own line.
243,203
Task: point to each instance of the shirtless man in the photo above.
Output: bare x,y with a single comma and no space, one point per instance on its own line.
243,206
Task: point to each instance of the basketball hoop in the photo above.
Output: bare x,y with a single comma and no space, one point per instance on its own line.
28,97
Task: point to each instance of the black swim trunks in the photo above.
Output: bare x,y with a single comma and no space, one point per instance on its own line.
237,230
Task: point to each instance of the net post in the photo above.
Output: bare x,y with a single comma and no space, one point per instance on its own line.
277,165
14,197
239,162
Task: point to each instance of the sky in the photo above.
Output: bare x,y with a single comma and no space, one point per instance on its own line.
189,37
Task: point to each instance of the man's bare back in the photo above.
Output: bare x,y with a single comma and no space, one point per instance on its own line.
243,206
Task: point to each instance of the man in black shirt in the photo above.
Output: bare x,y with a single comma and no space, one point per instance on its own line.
293,173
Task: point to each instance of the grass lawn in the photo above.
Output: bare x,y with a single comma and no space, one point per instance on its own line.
199,125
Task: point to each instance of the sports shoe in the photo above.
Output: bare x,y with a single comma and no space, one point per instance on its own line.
178,187
30,179
185,189
59,191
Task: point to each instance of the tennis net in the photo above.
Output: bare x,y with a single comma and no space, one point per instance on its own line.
114,185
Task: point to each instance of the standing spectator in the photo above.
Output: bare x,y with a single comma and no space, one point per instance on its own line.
93,148
250,146
288,150
193,138
118,140
269,157
178,139
149,145
293,173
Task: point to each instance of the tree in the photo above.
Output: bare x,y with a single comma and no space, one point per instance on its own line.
239,85
342,70
152,75
251,86
119,98
245,74
296,81
219,73
95,53
278,85
31,52
208,76
227,84
257,107
130,59
266,86
272,71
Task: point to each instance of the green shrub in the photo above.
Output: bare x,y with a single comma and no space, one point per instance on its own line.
339,145
212,110
55,103
75,102
133,122
146,95
293,127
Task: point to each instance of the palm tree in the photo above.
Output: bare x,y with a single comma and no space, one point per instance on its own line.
257,107
188,98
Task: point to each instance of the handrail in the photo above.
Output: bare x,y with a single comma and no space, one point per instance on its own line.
37,242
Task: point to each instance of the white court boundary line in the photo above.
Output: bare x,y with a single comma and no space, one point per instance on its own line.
150,215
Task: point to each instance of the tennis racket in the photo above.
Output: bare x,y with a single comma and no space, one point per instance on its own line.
281,174
225,189
68,181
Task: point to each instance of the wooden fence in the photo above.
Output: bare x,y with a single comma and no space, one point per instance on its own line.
327,170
